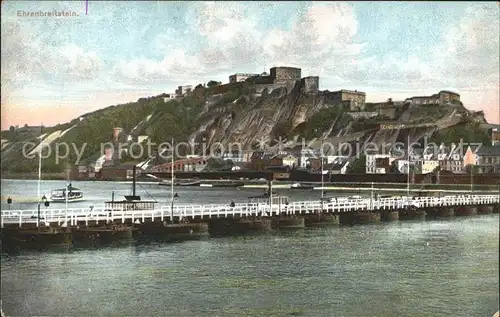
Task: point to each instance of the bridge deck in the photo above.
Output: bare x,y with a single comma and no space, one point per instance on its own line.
342,205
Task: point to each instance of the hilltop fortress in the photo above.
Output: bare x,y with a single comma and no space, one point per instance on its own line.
354,100
287,77
277,78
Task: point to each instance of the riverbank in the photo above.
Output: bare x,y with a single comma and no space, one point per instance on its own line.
261,183
31,176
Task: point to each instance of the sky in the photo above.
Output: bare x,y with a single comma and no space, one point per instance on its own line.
54,69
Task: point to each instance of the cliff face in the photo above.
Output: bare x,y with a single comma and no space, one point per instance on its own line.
251,118
293,114
245,115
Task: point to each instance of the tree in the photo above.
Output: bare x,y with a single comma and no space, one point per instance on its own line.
213,83
12,129
472,168
357,166
394,167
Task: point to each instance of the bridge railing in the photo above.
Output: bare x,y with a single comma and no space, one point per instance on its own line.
96,215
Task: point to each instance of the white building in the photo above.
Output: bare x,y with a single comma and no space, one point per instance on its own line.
377,163
426,166
183,90
235,157
305,155
168,97
99,162
290,160
495,137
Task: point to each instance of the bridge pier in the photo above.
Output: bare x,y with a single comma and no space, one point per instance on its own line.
359,217
104,234
254,224
462,211
412,214
484,209
322,219
440,212
239,225
389,215
288,222
171,231
48,238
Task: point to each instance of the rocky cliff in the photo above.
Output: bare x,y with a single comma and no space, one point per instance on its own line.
243,114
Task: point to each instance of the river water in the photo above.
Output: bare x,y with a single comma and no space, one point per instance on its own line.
421,268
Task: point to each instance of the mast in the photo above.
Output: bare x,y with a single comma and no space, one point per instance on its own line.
133,181
39,198
66,193
270,189
471,181
371,199
40,163
408,174
322,176
172,183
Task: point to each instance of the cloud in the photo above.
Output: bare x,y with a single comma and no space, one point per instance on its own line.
28,60
233,41
201,41
465,59
468,59
469,50
322,36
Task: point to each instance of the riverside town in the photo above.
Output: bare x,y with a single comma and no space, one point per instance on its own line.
250,159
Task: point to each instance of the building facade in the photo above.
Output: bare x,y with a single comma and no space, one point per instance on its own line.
452,164
235,78
469,157
441,98
495,137
353,99
168,97
488,159
235,157
184,165
283,74
426,166
120,172
310,84
290,161
183,90
377,163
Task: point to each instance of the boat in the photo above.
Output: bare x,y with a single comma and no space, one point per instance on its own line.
73,194
194,183
131,202
301,186
163,183
228,184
